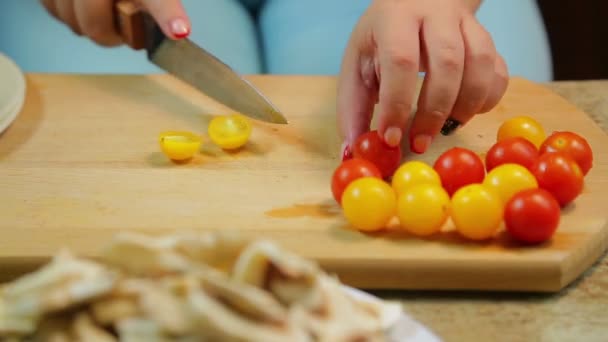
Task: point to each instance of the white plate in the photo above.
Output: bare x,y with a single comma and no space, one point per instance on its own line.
12,91
400,327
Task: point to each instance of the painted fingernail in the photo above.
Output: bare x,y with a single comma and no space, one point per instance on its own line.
180,28
449,126
346,152
392,136
421,143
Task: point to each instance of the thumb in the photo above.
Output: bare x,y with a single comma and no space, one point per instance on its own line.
170,16
357,95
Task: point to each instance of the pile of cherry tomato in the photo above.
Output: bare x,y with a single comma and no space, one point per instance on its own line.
229,132
524,181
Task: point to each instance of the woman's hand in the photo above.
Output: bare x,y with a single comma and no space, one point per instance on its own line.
393,41
95,18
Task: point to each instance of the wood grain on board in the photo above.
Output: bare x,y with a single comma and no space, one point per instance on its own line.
82,162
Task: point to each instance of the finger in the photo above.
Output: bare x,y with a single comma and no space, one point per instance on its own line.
51,7
65,11
96,19
356,93
499,85
398,55
478,74
445,50
170,16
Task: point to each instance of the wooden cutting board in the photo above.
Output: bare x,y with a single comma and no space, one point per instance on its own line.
82,162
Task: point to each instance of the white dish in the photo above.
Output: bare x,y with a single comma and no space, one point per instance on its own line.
400,327
12,91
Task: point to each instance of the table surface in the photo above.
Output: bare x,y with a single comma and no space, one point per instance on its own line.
577,313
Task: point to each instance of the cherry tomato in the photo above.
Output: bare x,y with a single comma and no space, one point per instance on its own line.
350,170
559,174
423,209
532,216
522,126
413,173
371,147
179,146
477,212
369,203
515,150
229,131
458,167
573,145
509,179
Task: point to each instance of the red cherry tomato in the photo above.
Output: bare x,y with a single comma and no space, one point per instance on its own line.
532,216
515,150
573,145
348,171
458,167
559,174
371,147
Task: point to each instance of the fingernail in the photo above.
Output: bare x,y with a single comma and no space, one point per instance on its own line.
180,28
421,143
346,152
392,136
449,126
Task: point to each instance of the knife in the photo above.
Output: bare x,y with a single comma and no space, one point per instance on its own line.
192,64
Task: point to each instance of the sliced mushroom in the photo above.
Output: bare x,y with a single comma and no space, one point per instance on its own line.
60,285
84,329
219,323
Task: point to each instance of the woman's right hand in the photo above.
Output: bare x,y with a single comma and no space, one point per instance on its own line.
95,18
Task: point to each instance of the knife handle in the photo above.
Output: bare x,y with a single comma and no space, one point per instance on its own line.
131,23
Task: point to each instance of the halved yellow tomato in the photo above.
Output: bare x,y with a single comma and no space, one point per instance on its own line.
179,145
229,131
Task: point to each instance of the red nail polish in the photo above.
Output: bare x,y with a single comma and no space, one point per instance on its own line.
346,154
180,28
182,35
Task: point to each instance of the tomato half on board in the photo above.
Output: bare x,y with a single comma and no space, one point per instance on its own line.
371,147
348,171
559,174
532,216
516,150
458,167
229,131
573,145
179,145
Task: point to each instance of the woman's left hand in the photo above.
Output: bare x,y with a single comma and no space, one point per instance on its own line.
391,44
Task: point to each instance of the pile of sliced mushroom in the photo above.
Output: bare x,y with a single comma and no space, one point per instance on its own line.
209,287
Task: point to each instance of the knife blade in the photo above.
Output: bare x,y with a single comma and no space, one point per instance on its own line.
194,65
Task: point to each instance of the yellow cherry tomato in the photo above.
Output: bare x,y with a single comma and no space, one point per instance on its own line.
423,209
476,211
369,203
229,131
522,126
509,179
178,145
413,173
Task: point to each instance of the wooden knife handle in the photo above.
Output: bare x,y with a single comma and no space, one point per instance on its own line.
131,23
